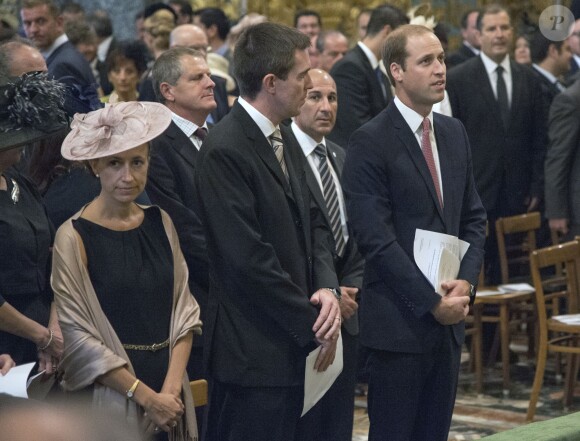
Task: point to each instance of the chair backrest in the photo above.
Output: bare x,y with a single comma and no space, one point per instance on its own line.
199,392
517,252
566,255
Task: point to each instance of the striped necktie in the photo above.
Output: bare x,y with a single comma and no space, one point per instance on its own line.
278,146
331,198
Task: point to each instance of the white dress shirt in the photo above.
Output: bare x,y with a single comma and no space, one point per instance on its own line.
491,66
188,128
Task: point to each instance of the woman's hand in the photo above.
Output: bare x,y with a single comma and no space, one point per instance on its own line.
164,411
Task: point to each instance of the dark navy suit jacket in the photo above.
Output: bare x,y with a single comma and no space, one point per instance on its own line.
389,194
68,66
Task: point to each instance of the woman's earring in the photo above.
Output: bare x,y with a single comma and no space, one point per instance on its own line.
97,175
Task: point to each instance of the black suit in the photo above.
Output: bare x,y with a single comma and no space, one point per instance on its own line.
549,89
68,66
170,185
574,68
390,193
462,54
268,250
360,92
332,417
507,163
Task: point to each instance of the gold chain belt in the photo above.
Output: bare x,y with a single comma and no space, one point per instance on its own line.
153,348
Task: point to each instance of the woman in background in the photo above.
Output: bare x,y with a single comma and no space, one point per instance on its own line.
31,108
125,66
522,53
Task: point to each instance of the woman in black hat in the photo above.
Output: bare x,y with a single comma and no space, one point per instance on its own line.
30,108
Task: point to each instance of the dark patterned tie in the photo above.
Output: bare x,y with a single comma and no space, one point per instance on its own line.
380,76
429,158
278,146
331,198
201,133
502,97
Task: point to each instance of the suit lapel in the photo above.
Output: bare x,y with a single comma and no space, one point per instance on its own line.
449,188
517,89
377,91
263,148
410,142
181,143
481,77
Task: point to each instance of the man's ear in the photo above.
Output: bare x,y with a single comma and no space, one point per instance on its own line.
167,92
396,71
269,83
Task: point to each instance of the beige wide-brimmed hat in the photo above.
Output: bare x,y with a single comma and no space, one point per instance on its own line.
116,128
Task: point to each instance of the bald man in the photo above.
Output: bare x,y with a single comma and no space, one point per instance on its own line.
332,417
19,57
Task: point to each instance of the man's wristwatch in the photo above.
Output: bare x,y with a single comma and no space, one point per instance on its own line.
472,292
336,293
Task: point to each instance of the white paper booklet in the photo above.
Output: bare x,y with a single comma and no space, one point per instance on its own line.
15,381
438,256
316,384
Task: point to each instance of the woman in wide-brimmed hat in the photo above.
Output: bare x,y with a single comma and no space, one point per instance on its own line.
120,280
30,109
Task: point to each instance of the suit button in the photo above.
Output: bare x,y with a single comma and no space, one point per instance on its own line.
309,259
298,223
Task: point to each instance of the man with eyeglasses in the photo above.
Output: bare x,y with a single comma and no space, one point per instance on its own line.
500,104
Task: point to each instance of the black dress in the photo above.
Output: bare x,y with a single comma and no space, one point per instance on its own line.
132,274
26,236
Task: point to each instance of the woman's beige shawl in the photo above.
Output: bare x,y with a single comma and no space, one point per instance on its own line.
92,348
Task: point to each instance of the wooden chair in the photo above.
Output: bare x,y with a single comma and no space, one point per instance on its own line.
500,308
473,328
566,337
199,392
516,253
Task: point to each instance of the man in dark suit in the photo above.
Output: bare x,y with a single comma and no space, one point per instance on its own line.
407,169
182,83
44,25
269,250
563,163
505,119
363,88
471,44
551,61
331,419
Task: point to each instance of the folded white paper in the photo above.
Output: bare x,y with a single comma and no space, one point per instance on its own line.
316,384
15,381
515,287
569,319
438,256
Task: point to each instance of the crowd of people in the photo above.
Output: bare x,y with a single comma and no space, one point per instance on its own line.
264,183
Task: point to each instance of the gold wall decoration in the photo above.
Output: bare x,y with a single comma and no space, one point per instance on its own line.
342,14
